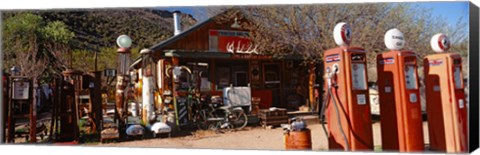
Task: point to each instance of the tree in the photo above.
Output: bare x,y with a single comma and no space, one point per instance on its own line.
21,35
57,38
106,58
307,30
31,43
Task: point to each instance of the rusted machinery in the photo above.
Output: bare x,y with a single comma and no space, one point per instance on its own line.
68,94
65,113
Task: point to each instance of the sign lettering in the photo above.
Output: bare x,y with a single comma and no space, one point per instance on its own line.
387,61
435,62
332,58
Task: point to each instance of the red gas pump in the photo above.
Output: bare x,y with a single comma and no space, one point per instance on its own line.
400,109
347,102
446,105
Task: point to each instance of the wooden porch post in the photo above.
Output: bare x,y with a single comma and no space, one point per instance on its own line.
311,84
175,62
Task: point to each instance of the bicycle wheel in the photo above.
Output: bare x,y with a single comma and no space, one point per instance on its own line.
239,119
201,121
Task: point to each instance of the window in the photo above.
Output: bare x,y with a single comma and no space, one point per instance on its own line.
358,76
223,77
410,77
200,74
231,73
183,80
457,75
203,71
241,78
272,75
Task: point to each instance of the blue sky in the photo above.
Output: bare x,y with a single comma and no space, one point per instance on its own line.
451,11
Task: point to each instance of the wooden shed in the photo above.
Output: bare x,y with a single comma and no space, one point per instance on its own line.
224,55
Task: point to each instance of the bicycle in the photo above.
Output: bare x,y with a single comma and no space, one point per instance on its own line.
219,116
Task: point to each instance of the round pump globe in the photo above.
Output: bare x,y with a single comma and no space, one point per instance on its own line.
342,34
124,41
394,39
440,42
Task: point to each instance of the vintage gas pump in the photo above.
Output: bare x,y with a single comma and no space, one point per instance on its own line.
148,113
347,103
121,98
400,110
446,105
68,110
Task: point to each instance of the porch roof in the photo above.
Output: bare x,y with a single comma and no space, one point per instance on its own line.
195,54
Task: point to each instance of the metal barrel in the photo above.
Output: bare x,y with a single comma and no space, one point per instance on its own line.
298,140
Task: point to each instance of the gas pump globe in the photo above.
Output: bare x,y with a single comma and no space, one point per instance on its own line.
394,39
342,34
123,54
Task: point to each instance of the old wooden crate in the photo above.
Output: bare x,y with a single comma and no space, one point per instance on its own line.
273,117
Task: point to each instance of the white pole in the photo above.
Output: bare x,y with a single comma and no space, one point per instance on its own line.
147,99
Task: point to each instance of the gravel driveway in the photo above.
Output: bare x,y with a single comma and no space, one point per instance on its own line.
251,138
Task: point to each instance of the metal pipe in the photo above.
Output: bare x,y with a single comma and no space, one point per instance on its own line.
177,23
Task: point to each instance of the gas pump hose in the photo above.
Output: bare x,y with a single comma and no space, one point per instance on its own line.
330,96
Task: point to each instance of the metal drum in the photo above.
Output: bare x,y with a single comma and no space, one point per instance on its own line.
298,140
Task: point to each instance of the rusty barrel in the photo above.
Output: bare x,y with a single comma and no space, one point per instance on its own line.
298,140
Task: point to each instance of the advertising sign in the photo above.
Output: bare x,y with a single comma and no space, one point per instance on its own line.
221,40
20,90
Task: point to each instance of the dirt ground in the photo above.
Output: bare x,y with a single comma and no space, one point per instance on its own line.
251,138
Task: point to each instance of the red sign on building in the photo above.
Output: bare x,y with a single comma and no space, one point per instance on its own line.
221,40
